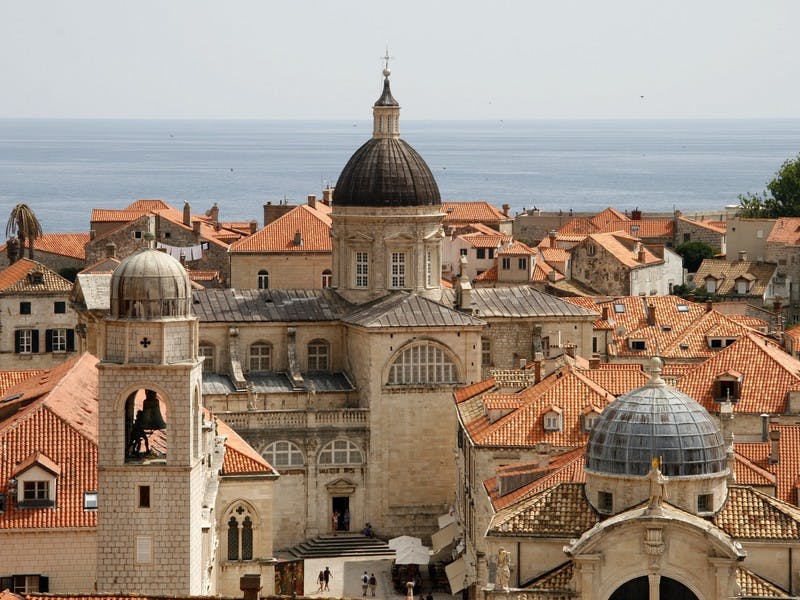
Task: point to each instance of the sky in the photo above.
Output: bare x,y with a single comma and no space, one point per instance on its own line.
488,59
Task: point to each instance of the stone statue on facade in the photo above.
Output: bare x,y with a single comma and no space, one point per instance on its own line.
658,485
503,574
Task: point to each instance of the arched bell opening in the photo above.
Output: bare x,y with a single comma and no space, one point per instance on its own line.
145,428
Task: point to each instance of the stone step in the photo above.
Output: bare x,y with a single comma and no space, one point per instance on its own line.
346,544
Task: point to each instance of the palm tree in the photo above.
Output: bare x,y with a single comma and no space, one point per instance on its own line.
24,223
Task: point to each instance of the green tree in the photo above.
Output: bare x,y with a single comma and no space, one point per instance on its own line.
23,223
693,254
780,199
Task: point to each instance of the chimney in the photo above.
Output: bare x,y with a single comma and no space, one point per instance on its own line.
764,427
569,349
312,201
298,238
111,250
605,313
651,314
742,255
92,234
250,585
273,212
327,195
196,227
594,362
636,214
553,234
213,212
774,447
187,214
641,257
537,371
506,208
253,226
709,306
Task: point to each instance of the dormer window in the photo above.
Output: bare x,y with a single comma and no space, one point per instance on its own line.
589,418
36,277
619,308
719,343
638,345
552,420
591,249
36,481
728,386
711,285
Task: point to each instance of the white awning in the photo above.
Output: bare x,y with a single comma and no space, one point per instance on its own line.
413,555
443,537
404,541
456,575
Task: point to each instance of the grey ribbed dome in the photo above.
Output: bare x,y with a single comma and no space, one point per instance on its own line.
150,284
386,172
655,420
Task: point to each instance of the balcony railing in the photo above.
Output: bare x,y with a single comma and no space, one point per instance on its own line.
275,419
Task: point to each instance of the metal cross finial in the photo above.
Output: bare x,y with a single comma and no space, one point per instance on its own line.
387,58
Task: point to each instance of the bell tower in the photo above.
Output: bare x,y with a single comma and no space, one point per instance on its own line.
150,454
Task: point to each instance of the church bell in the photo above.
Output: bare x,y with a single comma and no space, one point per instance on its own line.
151,413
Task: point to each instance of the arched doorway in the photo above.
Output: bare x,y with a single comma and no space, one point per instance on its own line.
639,589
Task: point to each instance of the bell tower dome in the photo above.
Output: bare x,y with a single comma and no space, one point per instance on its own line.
386,218
150,467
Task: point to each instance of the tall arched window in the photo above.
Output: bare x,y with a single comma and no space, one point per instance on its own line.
283,454
327,278
263,279
423,364
261,357
240,533
318,355
341,452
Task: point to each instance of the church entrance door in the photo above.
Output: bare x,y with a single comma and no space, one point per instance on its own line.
639,589
341,508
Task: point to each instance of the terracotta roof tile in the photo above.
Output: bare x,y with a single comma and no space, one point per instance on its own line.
749,473
749,514
472,390
710,225
486,240
62,244
793,333
516,249
645,228
768,374
471,212
753,586
489,274
314,227
727,273
9,379
624,248
240,457
551,583
787,469
608,215
560,511
785,231
14,280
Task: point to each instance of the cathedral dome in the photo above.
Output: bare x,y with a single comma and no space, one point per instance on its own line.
150,284
386,171
655,421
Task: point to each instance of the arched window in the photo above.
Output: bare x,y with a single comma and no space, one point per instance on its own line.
318,355
327,278
240,534
283,454
263,279
206,352
261,357
423,363
341,452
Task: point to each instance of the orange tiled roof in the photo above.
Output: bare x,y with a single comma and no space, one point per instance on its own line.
103,266
56,415
474,389
768,374
203,275
485,240
715,226
618,378
541,272
63,244
623,247
753,586
314,227
726,273
554,254
9,379
489,274
471,212
14,280
786,231
240,457
748,321
749,514
787,469
645,228
566,239
578,226
749,473
793,333
607,215
516,249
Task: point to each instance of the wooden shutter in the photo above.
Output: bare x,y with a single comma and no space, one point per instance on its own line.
35,341
48,340
70,340
17,342
44,584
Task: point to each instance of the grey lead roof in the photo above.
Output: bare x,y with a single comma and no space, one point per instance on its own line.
275,383
233,305
520,302
401,309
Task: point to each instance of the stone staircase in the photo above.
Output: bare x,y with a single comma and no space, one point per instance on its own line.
343,544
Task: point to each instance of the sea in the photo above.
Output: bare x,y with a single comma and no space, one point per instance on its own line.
64,168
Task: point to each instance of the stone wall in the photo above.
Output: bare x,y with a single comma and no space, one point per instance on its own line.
687,231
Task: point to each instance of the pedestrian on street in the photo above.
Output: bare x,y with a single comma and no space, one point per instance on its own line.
364,584
321,581
373,583
327,576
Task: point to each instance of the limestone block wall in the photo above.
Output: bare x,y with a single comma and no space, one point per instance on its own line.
601,272
686,231
56,262
66,556
289,513
788,260
776,563
528,558
296,270
41,318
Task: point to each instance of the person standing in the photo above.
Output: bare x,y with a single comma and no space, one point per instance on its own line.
335,521
346,519
373,583
410,589
321,581
327,576
364,584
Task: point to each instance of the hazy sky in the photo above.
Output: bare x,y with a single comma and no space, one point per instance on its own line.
453,59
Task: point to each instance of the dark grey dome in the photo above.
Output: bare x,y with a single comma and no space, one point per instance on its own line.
655,420
150,284
386,172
